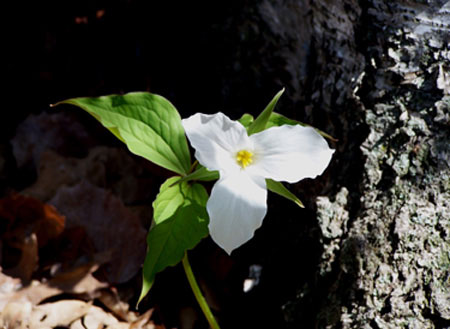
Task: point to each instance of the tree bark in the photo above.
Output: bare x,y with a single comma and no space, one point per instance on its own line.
380,83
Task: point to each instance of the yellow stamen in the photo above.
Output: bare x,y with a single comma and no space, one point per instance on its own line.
244,158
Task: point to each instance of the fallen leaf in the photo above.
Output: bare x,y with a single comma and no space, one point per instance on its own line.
144,322
78,324
98,318
61,313
107,167
23,315
8,287
29,226
74,313
16,315
73,244
54,171
33,293
19,307
25,214
28,260
109,225
111,299
78,280
60,132
116,170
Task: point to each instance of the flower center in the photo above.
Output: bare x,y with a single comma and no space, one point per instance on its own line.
244,158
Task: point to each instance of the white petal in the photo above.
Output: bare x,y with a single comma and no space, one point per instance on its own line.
236,208
216,139
290,153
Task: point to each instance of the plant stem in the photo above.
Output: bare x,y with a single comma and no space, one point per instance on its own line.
193,166
198,294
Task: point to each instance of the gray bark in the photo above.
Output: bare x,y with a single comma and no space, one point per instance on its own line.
381,80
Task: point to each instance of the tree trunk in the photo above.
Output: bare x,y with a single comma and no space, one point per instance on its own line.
379,81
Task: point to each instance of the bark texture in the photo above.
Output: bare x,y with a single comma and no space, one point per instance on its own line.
381,79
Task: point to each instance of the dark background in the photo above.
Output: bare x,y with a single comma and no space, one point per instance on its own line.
202,56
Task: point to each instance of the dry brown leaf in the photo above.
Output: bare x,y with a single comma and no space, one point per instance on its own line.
61,313
108,223
26,214
115,169
98,318
8,287
30,225
12,291
73,244
111,299
78,324
28,260
16,315
8,284
144,322
18,308
23,315
78,280
35,293
60,132
107,167
54,171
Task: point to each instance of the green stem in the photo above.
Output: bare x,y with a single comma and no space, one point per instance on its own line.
198,294
193,166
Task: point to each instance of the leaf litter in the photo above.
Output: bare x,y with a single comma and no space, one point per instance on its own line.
23,299
71,236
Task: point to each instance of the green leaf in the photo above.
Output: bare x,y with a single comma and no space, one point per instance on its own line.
246,119
277,120
201,174
181,221
260,122
148,124
280,189
169,199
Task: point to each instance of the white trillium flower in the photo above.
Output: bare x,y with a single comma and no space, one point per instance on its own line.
238,201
